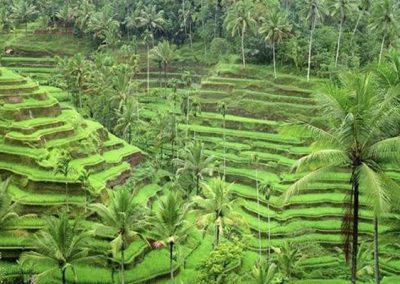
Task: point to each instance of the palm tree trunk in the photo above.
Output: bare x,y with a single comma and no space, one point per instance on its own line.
243,57
165,75
354,250
273,54
112,275
187,116
381,52
309,49
217,235
63,276
66,196
258,215
269,233
338,41
223,138
148,68
123,265
197,184
171,267
357,23
376,252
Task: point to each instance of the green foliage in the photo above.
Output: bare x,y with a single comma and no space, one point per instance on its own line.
220,265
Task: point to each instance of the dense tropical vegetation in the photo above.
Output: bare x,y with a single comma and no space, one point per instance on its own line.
198,141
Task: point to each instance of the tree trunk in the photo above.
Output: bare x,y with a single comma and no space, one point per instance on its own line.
354,250
123,265
309,49
66,196
112,275
338,41
258,216
376,251
197,184
381,52
269,233
165,75
273,54
243,57
217,235
357,23
171,267
148,68
223,138
63,276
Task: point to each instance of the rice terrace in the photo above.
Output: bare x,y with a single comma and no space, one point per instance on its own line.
200,141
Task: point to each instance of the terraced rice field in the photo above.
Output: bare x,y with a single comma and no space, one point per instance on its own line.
37,124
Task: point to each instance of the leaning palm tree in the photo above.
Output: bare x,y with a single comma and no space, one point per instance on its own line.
196,163
361,137
363,7
239,20
385,21
274,29
7,207
313,10
127,119
342,9
169,225
61,244
124,217
216,208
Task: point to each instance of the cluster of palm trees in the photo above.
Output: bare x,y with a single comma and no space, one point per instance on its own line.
359,135
275,24
63,244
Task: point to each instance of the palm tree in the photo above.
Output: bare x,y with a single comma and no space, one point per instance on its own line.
165,53
342,9
384,20
266,189
216,208
101,22
289,258
274,29
7,207
124,217
313,11
361,138
222,109
61,244
127,119
263,274
256,162
169,225
196,162
86,186
239,20
151,20
147,38
363,7
64,167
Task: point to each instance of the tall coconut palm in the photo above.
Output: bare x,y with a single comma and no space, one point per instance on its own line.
361,137
266,189
64,168
364,6
222,109
216,208
124,217
84,178
127,119
7,207
164,52
342,9
313,10
385,21
151,20
148,38
274,29
255,162
196,163
61,244
239,20
169,225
